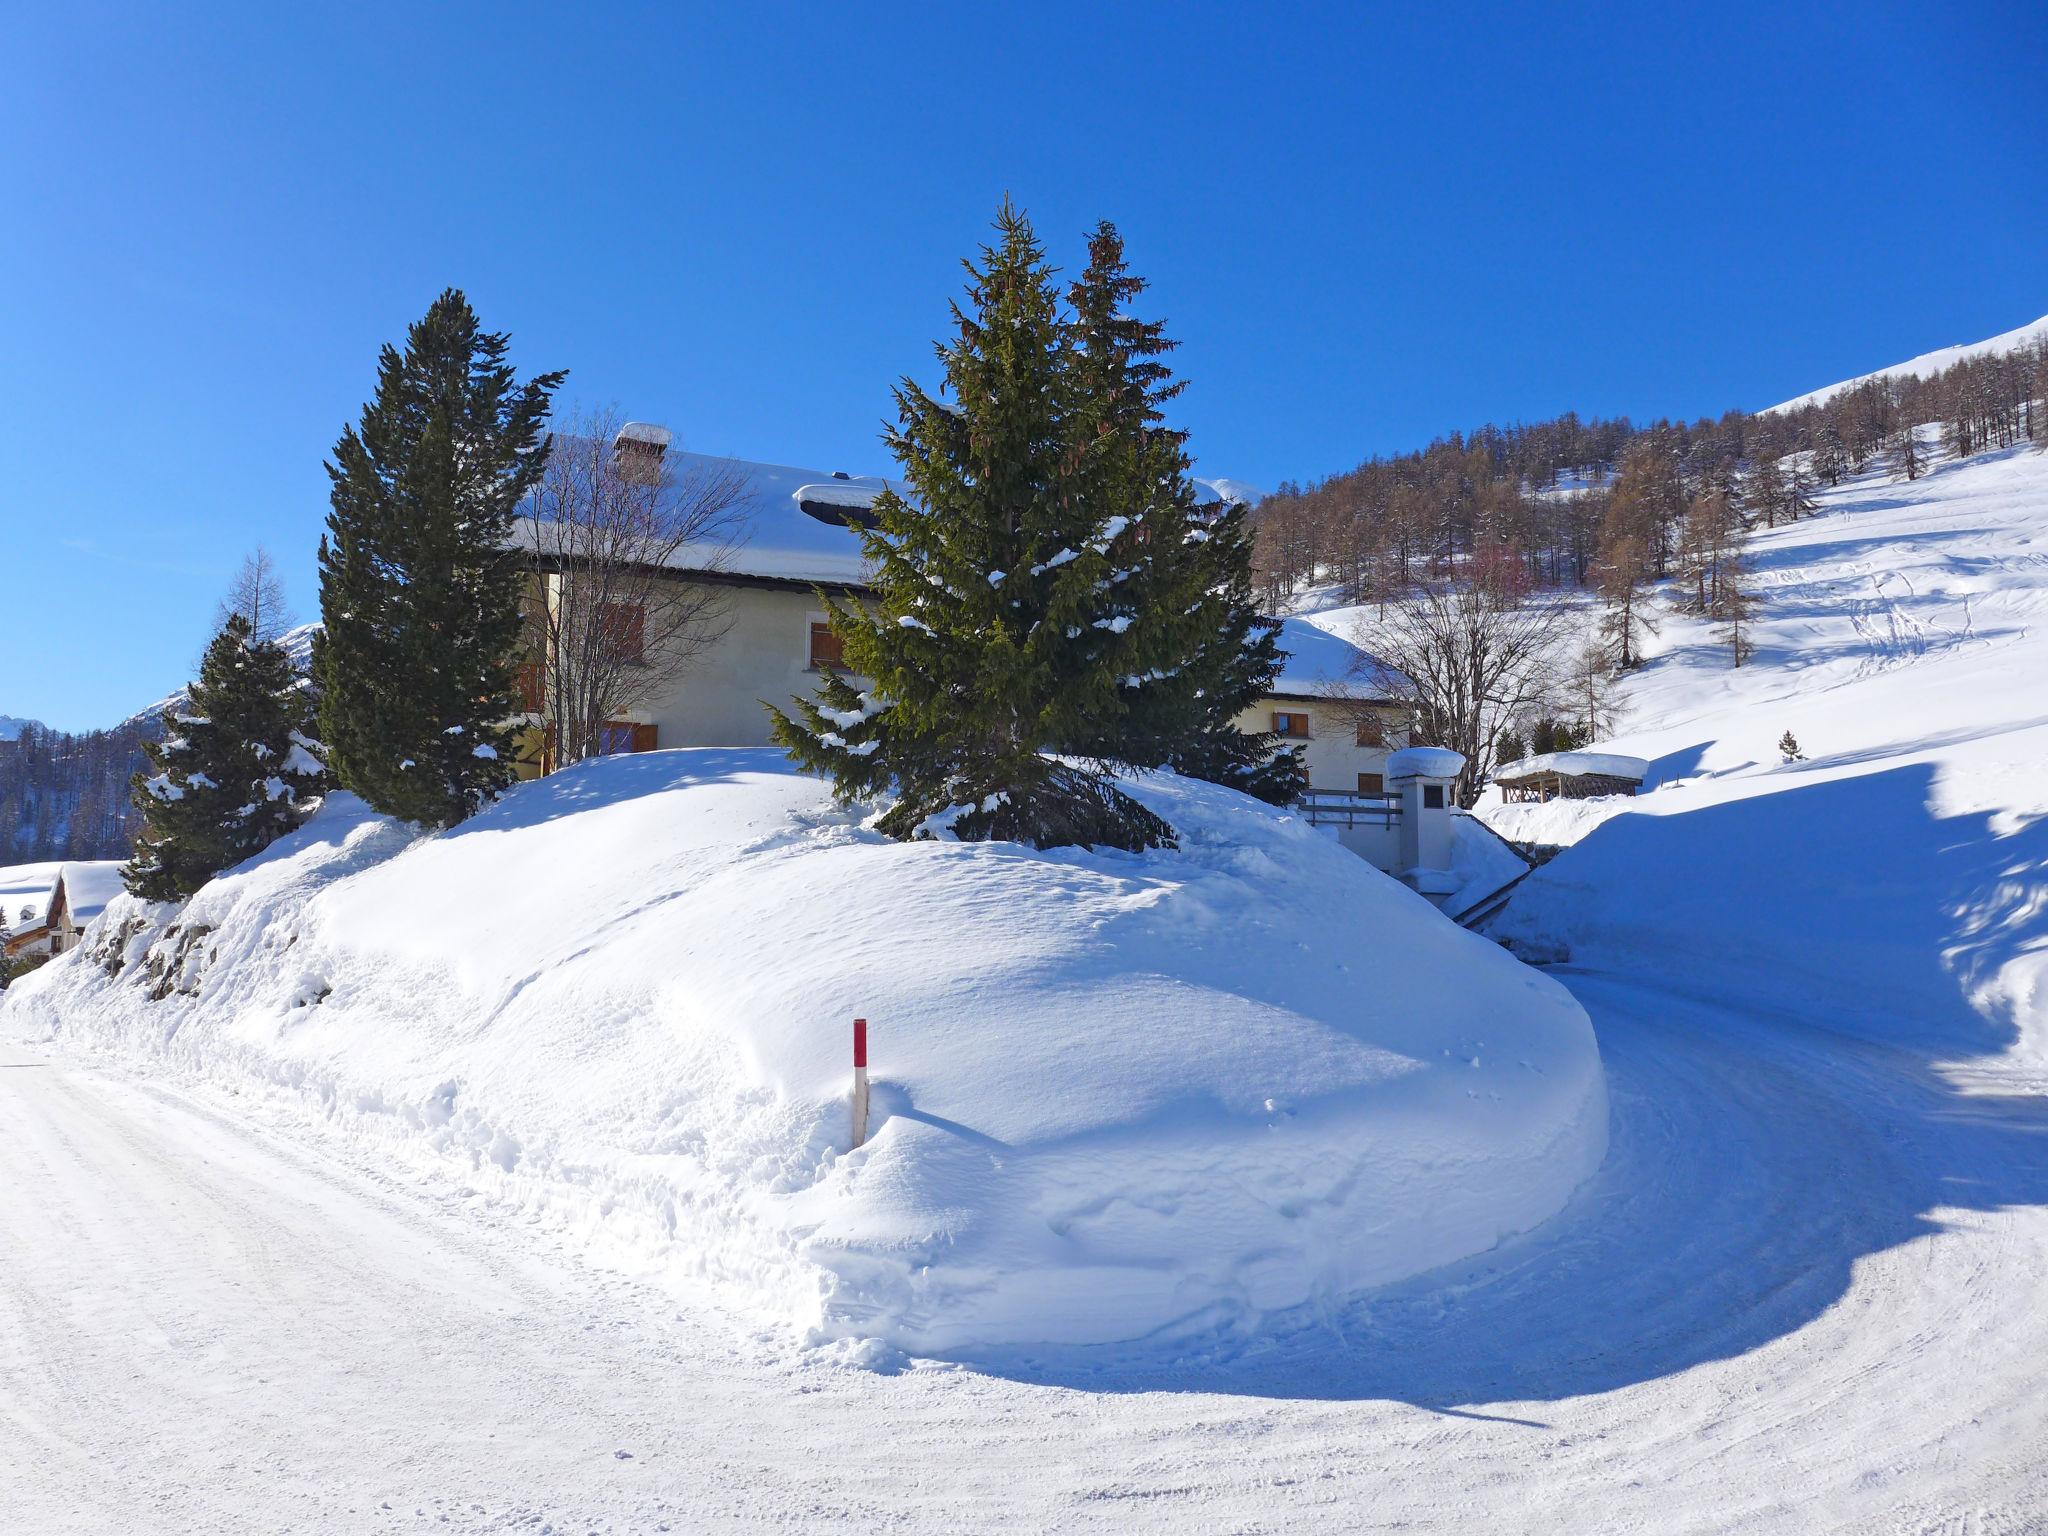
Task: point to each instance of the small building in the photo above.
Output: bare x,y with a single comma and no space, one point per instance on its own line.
1327,702
1570,776
25,908
81,893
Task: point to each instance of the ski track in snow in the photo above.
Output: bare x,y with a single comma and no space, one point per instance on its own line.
1805,1293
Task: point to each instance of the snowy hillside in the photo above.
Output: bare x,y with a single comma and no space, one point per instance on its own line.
11,726
1893,879
1115,1094
1927,364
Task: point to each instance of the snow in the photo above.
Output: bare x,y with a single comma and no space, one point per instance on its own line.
618,1001
1926,364
1892,881
1425,763
1318,663
25,893
1572,764
88,886
781,542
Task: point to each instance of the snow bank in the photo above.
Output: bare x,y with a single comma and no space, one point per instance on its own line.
1115,1095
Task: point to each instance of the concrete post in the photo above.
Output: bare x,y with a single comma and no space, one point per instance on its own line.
1422,777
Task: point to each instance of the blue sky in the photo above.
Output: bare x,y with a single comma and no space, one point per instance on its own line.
1366,228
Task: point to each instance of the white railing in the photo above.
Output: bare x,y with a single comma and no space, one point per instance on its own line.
1347,809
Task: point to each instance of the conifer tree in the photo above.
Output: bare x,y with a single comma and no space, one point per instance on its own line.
419,587
1182,626
992,589
235,772
1907,454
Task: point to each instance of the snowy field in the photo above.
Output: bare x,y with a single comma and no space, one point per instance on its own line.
1806,1290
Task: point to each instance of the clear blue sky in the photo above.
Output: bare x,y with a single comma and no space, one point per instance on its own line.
743,222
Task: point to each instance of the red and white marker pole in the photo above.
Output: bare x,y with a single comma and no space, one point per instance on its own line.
860,1081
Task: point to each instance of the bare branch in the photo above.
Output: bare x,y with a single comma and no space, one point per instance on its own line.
621,541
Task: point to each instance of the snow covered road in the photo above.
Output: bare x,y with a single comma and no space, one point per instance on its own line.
1808,1292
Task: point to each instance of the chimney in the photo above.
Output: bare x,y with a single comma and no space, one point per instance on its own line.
638,450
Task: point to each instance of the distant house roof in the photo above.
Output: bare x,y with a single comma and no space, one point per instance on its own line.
88,887
25,894
802,525
1573,765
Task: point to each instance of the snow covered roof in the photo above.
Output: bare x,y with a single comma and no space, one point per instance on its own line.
25,894
1575,765
88,887
801,525
1322,665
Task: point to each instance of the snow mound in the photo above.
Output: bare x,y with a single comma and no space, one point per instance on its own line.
1114,1095
1425,762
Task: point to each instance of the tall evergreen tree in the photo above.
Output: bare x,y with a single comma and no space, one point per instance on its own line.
1182,626
419,586
993,588
234,773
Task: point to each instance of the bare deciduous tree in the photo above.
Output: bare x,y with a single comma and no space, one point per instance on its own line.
1472,654
257,594
621,540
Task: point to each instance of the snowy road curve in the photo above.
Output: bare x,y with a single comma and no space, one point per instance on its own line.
1809,1292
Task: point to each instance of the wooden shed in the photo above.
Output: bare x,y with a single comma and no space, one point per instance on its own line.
1570,776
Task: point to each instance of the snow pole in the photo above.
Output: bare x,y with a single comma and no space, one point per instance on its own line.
860,1081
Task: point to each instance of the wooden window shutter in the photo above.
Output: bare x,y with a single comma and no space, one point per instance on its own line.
826,647
644,737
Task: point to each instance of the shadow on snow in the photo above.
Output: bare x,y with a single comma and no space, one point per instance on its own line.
1777,1112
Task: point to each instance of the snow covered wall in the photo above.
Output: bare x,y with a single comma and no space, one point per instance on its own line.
1115,1095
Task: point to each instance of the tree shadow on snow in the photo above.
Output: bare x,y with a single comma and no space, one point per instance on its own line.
1796,968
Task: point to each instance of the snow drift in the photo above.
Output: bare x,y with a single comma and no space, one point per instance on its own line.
1115,1095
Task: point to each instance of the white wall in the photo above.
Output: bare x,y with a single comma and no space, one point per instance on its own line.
1334,757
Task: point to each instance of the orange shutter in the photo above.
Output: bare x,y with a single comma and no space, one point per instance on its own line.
826,647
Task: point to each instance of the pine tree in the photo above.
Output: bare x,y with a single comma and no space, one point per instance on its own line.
991,590
1765,491
1734,603
1788,749
235,772
1906,455
1624,566
1181,626
1830,457
419,588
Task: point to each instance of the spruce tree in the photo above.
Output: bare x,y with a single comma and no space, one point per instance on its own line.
419,586
1181,627
993,589
234,773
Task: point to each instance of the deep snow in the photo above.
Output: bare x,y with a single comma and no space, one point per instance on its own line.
1115,1095
1896,878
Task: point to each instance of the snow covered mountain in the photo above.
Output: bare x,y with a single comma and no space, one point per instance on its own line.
11,727
1925,365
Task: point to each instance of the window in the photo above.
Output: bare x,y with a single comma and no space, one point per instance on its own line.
623,628
1432,797
1372,731
528,686
616,736
1291,722
826,649
1372,784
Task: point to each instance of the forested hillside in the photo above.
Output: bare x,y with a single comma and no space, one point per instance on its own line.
1576,501
65,796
